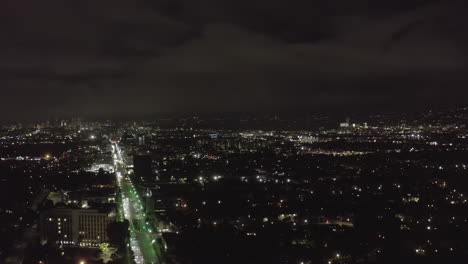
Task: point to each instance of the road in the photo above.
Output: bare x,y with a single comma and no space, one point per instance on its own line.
142,235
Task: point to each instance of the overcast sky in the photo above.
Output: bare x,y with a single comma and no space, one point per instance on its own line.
139,57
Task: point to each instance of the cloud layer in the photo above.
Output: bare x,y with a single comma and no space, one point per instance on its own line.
107,57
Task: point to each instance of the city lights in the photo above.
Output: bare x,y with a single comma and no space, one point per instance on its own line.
300,188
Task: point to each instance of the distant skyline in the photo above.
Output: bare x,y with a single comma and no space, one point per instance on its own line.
112,58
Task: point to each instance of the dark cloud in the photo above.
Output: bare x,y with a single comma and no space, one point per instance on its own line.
141,57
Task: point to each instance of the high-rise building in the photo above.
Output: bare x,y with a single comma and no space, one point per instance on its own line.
141,140
142,168
346,124
76,227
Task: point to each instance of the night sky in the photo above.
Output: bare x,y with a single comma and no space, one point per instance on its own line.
140,57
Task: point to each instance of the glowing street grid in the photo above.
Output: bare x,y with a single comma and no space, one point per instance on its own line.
142,237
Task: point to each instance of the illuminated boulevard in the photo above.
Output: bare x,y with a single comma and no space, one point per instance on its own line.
142,235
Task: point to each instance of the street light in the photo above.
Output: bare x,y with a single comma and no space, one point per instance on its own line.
82,262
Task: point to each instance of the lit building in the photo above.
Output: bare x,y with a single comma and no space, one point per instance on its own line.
141,140
75,227
308,139
346,124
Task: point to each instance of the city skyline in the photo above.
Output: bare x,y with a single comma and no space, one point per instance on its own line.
375,189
